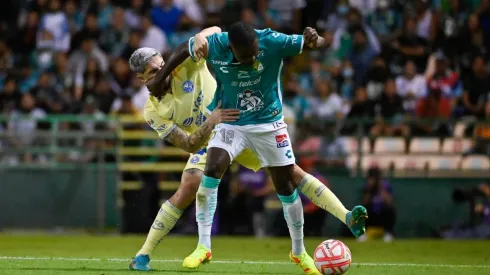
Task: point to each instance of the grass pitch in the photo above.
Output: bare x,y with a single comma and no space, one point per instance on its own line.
110,255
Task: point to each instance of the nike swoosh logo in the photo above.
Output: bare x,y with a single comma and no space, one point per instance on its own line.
172,116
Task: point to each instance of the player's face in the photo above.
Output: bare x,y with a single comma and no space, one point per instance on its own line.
246,55
156,63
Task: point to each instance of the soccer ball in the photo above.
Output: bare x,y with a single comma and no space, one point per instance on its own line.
332,257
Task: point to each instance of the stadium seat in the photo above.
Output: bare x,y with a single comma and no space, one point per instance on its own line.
382,162
476,163
425,145
352,144
410,162
437,163
351,161
389,145
455,146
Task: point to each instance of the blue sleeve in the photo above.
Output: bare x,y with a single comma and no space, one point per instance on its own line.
286,45
216,44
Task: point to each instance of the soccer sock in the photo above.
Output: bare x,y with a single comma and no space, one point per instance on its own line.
320,195
164,222
206,202
293,214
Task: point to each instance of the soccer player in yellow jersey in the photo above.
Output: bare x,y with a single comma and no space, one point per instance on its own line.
175,110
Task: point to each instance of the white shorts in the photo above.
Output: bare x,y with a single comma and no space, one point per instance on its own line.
269,141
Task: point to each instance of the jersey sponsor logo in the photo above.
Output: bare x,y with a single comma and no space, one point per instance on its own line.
219,62
198,102
248,83
250,101
201,118
282,141
188,86
188,121
195,159
150,122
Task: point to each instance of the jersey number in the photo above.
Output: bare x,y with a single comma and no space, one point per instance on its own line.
227,136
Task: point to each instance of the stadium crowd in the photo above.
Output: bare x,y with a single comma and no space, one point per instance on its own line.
389,60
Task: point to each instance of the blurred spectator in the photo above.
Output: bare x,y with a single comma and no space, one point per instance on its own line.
113,39
249,191
328,104
383,20
28,76
167,16
376,77
348,85
104,95
361,56
63,79
134,14
121,78
192,11
133,44
472,43
291,120
89,30
344,40
289,13
85,82
362,108
338,19
378,199
39,6
9,96
390,113
78,60
426,20
367,7
484,19
6,57
74,16
411,46
153,37
53,32
481,135
440,76
139,97
103,9
432,111
25,41
263,18
47,98
476,89
450,28
294,99
411,86
23,125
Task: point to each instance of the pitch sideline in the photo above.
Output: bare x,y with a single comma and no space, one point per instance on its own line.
27,258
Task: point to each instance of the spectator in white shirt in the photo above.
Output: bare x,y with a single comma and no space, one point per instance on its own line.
153,37
53,34
191,9
411,86
328,104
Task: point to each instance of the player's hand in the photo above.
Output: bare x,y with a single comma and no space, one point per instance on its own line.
312,39
223,115
200,46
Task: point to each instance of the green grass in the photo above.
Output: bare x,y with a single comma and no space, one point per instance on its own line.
109,255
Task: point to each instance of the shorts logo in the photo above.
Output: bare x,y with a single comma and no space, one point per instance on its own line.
289,154
188,86
188,121
282,141
195,160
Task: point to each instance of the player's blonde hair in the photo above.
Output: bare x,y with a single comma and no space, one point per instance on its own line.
140,58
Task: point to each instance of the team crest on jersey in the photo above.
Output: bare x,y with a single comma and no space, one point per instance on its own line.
282,141
195,160
258,66
188,86
250,101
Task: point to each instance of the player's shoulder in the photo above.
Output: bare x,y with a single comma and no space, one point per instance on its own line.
155,107
219,40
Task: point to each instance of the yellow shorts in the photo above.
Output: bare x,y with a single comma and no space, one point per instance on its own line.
247,159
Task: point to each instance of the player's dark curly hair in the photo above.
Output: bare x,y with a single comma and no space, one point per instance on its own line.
242,34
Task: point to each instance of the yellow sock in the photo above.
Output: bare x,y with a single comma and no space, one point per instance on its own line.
164,222
320,195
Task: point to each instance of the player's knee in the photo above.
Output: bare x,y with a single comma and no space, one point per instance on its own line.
214,170
298,175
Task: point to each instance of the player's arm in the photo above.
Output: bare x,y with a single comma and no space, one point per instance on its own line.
292,45
180,55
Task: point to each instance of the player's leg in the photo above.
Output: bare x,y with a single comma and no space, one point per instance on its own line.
167,217
324,198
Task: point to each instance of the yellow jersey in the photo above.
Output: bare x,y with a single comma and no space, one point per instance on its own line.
193,88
